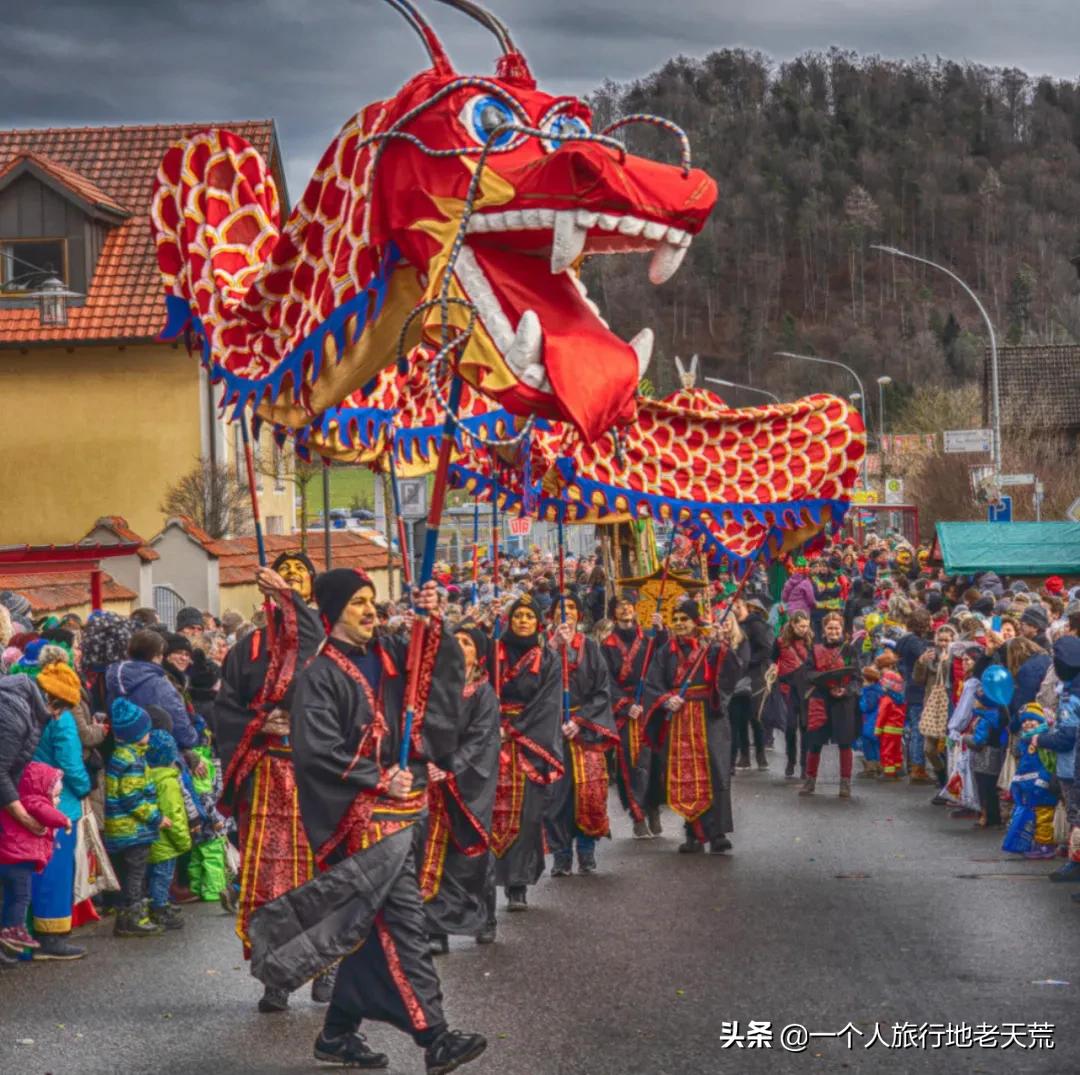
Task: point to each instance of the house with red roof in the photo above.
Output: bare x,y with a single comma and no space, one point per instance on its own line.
100,417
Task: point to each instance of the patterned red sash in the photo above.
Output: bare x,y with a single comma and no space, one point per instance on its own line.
627,653
590,787
689,776
825,660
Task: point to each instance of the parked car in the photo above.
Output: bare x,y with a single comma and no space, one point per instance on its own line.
363,514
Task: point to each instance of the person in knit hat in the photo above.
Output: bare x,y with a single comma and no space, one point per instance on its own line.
132,817
174,839
346,794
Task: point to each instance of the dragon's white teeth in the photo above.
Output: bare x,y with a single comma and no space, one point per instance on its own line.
631,225
586,219
665,262
654,232
567,241
642,344
538,218
536,377
677,237
524,352
514,220
607,221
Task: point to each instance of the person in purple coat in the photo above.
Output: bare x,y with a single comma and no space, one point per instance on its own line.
798,592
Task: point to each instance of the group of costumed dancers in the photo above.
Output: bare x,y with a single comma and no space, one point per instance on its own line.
427,289
504,774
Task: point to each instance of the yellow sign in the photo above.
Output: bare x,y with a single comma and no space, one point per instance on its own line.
864,496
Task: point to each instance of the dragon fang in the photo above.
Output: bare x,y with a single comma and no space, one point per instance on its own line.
295,317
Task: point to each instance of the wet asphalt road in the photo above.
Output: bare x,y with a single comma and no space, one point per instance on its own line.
881,910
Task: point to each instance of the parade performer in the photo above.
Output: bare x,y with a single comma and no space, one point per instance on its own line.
790,651
691,728
531,756
576,814
831,712
638,779
250,721
457,875
359,809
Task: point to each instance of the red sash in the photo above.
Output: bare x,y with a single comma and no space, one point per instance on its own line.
590,787
825,660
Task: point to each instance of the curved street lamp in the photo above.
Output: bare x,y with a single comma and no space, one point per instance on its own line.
995,404
745,387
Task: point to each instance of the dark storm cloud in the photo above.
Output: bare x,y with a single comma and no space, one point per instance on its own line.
311,64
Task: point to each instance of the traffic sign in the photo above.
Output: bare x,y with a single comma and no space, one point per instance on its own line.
894,490
520,526
1000,512
412,493
1016,479
968,440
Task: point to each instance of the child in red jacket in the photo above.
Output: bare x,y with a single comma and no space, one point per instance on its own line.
890,724
23,852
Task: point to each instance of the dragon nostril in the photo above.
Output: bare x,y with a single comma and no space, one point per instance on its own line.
586,168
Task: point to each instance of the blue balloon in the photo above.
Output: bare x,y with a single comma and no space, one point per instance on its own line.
997,685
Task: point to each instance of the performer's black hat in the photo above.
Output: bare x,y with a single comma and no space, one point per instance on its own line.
479,640
555,612
295,554
334,590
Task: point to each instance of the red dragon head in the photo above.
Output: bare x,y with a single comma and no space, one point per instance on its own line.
472,198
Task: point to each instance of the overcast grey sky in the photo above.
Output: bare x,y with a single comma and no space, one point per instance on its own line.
311,63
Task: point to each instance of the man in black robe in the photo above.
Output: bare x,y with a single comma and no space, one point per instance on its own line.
689,689
576,814
250,722
456,869
526,677
359,809
637,773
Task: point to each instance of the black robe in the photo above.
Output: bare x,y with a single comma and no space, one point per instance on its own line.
716,685
625,654
531,686
242,700
841,724
590,709
456,867
347,715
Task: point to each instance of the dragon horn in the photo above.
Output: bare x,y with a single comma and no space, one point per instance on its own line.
512,64
439,60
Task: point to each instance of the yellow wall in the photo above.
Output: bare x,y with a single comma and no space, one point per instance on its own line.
91,432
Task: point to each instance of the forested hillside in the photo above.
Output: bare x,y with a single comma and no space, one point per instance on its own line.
816,159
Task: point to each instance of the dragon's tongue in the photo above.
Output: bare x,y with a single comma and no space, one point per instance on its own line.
593,373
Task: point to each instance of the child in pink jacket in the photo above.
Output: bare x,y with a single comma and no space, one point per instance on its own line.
23,852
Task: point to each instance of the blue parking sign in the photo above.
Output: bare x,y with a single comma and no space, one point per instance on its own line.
1000,513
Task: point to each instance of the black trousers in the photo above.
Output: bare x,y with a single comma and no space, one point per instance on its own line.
391,977
743,721
131,865
988,797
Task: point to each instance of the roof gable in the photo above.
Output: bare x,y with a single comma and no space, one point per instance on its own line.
125,300
89,197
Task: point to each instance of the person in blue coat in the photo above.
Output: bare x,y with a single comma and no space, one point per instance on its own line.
51,891
1028,665
1066,731
142,679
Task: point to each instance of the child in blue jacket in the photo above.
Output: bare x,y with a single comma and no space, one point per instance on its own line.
868,707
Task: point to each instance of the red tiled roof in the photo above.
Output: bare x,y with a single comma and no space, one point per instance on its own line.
87,192
64,589
118,525
238,557
126,298
193,531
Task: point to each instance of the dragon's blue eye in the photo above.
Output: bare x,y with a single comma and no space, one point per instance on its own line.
482,115
560,126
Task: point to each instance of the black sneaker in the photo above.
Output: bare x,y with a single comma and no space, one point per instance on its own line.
133,923
167,917
438,944
57,946
1069,872
322,986
487,934
690,846
350,1051
653,817
515,899
720,843
7,961
586,862
273,1000
452,1049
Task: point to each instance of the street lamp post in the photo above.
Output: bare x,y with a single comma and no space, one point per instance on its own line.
862,395
745,387
995,397
882,382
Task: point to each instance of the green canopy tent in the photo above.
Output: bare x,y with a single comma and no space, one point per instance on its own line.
1035,549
